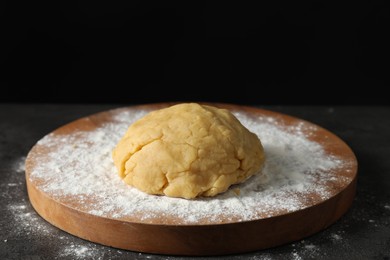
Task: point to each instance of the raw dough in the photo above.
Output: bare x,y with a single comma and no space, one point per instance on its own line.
187,150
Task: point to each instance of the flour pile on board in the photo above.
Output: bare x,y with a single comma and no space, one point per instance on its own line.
81,166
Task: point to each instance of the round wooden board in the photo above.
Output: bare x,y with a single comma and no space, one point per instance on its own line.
167,236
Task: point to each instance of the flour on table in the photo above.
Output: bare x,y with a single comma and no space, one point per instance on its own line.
19,165
80,165
77,251
336,237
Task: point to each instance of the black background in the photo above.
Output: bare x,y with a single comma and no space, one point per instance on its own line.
139,52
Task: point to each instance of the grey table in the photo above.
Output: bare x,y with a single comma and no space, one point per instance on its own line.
362,233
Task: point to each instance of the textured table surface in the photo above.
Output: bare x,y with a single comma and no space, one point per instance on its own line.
362,233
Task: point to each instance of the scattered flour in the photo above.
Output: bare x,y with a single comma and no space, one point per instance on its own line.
19,165
336,237
79,252
24,219
296,256
310,247
80,165
27,221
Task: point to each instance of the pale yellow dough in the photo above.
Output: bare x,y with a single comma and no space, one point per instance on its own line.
187,150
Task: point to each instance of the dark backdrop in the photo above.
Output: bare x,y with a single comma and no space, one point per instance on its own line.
139,52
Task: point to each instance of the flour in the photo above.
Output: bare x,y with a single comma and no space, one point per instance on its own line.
19,165
27,221
336,237
80,165
79,252
310,247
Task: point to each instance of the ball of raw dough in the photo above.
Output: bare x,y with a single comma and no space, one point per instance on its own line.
187,150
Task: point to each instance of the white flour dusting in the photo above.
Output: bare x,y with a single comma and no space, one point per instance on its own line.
336,237
81,166
79,252
19,165
26,221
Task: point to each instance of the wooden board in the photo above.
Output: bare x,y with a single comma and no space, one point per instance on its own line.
168,236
